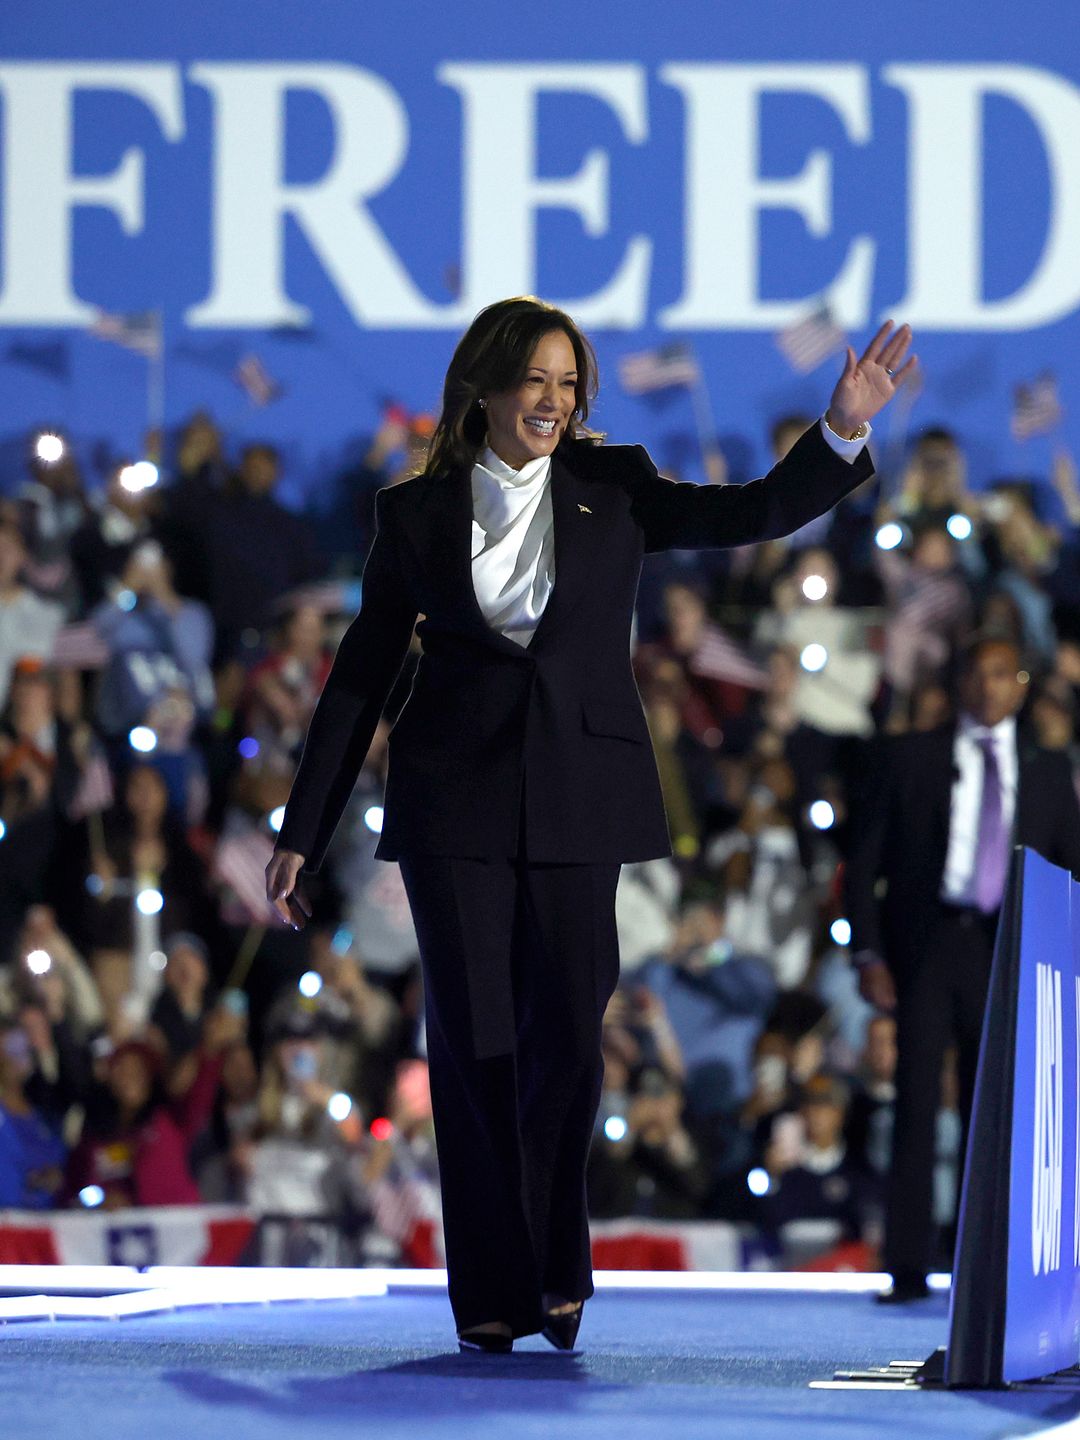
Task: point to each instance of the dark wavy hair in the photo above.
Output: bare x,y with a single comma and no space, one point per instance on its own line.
493,356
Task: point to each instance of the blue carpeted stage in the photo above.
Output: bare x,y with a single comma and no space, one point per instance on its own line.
653,1364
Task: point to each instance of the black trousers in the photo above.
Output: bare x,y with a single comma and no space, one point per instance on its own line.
519,961
941,998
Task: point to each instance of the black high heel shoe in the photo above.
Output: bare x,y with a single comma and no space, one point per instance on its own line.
487,1342
561,1330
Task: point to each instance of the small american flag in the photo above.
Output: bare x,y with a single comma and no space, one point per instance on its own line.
405,1205
1036,407
811,340
408,1212
94,792
239,863
140,331
648,370
935,601
253,377
331,597
79,646
718,657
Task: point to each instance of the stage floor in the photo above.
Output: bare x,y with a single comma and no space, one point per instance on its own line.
653,1365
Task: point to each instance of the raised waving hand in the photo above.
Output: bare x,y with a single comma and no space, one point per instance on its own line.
868,384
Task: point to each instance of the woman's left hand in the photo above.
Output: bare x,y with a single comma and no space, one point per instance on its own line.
869,383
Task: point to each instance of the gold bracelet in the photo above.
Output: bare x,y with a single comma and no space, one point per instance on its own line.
859,433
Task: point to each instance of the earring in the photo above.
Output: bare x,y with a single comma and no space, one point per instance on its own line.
482,404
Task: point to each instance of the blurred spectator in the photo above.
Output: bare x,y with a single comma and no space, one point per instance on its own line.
775,711
140,845
683,765
931,706
38,779
393,450
652,1165
835,984
1067,662
363,1022
400,1173
1053,715
806,1022
282,689
716,678
934,483
839,673
374,904
136,1141
397,450
717,1001
254,550
637,1031
28,624
199,478
120,518
51,991
180,1011
1022,553
51,506
771,907
931,611
59,1083
245,843
222,1157
773,1093
159,646
31,1153
1063,579
812,1176
298,1162
870,1115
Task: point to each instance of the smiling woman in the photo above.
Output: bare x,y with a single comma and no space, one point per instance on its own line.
520,380
520,774
528,421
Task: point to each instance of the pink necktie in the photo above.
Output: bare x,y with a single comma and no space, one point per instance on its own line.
991,851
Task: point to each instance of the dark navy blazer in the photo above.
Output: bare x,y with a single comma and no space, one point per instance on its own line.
484,712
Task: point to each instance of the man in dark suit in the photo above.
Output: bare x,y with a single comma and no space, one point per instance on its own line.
934,824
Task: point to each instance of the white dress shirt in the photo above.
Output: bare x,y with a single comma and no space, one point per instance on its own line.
958,886
513,559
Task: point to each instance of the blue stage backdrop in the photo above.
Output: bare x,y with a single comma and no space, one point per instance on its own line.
335,189
1015,1311
1042,1319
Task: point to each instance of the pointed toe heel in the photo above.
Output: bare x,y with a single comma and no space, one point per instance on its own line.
561,1330
484,1342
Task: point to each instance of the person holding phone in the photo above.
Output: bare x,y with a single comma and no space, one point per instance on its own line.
520,772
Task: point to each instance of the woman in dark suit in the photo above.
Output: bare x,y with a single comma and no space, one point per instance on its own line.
520,771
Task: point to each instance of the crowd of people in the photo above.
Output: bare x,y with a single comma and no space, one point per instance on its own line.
164,1039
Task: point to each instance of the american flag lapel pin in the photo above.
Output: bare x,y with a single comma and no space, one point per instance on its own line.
584,508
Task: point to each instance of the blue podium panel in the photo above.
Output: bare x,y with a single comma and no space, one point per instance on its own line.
1042,1320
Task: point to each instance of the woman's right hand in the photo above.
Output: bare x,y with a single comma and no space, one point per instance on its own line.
281,874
